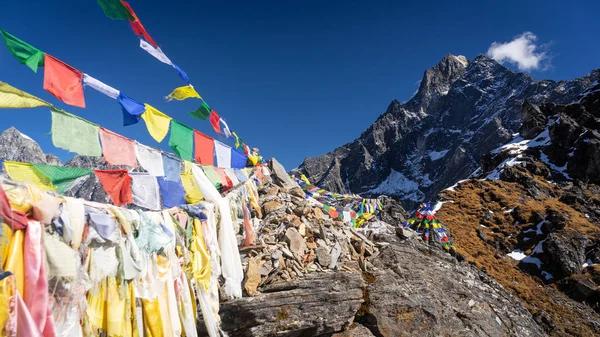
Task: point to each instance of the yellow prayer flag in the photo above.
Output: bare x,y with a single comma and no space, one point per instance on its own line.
237,140
181,93
253,159
26,173
11,97
303,177
157,122
192,192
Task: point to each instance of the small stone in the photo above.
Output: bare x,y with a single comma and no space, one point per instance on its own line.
302,229
252,277
405,233
273,206
335,255
318,213
295,241
311,245
481,235
323,256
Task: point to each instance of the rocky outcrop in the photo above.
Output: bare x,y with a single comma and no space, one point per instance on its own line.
15,146
463,110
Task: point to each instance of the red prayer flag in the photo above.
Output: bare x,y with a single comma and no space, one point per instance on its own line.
117,184
214,121
14,218
204,148
63,81
137,26
333,213
117,149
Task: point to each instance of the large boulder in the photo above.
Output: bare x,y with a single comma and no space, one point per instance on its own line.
568,252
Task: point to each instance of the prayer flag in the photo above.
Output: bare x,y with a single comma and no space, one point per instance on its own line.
150,159
227,183
172,168
213,176
242,177
303,177
231,175
26,173
115,10
131,109
223,154
204,148
172,192
11,97
192,192
74,134
144,189
117,184
62,176
99,86
156,52
182,140
23,51
214,121
225,128
238,141
181,93
136,25
63,81
117,149
181,73
238,160
156,122
202,112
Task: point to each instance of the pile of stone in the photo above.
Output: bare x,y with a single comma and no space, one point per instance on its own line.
295,237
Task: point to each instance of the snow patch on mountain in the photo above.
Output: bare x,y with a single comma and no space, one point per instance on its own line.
435,155
396,183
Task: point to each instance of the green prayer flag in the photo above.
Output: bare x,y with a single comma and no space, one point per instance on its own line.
23,51
202,112
75,134
115,9
213,176
62,176
181,140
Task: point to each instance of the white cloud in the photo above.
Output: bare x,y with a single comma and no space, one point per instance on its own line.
522,51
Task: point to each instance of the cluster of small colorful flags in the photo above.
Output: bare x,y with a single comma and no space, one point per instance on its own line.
424,221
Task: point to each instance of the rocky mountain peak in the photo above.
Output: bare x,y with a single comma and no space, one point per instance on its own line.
437,79
16,146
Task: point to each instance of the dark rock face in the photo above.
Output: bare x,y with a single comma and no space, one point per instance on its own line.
14,146
568,252
534,121
463,110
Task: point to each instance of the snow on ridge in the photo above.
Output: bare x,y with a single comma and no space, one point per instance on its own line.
435,155
518,255
25,136
396,182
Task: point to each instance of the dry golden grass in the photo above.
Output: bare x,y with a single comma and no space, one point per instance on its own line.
465,215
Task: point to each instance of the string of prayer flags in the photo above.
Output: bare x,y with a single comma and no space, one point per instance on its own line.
136,25
181,140
202,112
132,109
172,192
238,160
181,93
150,159
115,9
61,176
24,52
145,191
214,121
26,173
117,184
100,87
117,149
223,154
11,97
172,167
156,122
74,134
204,148
192,192
63,81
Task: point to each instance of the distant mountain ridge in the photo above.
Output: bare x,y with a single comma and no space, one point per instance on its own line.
462,110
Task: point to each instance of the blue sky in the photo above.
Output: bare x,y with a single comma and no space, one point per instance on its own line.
295,79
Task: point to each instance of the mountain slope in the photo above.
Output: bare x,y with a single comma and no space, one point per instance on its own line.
530,216
463,109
